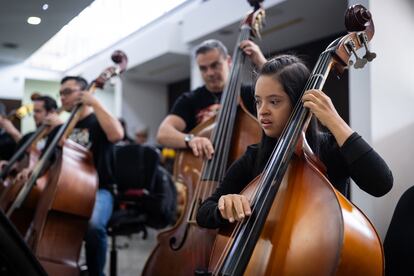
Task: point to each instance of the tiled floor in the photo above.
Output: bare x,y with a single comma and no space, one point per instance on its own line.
133,252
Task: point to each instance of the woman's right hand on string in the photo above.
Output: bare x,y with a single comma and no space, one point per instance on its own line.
234,207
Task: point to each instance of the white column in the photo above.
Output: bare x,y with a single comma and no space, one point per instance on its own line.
381,103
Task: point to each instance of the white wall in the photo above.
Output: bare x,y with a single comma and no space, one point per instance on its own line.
144,105
49,88
12,79
11,82
381,103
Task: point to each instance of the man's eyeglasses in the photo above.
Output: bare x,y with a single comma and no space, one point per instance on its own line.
67,91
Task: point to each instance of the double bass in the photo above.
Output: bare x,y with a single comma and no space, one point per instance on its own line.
301,225
13,183
19,113
65,205
185,248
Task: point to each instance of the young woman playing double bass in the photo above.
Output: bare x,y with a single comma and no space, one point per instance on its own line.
344,153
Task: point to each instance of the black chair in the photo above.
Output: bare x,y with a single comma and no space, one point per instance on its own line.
399,241
145,195
127,219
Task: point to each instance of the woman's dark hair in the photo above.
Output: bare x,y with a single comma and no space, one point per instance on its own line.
291,72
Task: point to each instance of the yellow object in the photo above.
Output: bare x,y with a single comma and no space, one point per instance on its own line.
24,110
168,153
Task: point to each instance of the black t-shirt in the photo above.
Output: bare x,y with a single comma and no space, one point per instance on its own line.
7,145
42,144
199,105
355,159
24,139
89,133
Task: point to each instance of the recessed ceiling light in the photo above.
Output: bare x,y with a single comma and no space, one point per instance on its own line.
225,32
34,20
10,45
45,7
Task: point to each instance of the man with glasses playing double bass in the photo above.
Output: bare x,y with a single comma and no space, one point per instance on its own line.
97,130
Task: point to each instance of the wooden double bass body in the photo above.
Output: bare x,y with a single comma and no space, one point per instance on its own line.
63,211
66,202
23,216
185,248
54,215
301,225
62,214
311,229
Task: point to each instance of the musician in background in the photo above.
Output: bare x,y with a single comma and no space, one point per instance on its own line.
44,111
141,135
197,106
97,130
126,140
9,135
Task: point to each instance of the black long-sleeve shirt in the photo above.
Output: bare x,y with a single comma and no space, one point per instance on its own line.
355,159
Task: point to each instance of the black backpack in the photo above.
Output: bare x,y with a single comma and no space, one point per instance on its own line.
137,167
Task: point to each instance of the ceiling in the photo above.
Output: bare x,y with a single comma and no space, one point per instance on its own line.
18,39
291,23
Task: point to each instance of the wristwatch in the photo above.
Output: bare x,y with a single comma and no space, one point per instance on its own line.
187,139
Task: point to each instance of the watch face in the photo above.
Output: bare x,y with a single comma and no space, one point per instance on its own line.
188,137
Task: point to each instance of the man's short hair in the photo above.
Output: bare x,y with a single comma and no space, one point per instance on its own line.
209,45
48,103
79,80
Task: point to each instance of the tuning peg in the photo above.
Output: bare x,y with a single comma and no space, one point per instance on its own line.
364,40
359,62
370,55
258,24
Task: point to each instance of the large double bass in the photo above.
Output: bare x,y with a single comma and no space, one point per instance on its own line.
65,205
301,225
13,183
185,248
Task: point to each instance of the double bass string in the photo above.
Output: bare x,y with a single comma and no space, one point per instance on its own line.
231,110
221,136
239,62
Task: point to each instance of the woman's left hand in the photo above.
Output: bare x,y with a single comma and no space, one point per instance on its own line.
252,50
322,107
